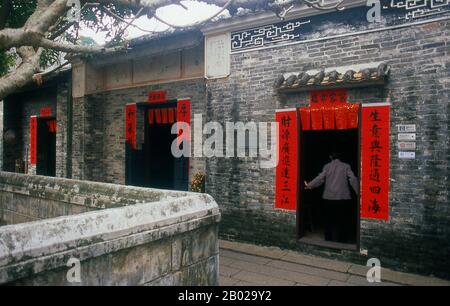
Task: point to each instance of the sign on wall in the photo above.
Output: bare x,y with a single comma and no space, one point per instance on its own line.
33,139
217,56
375,161
130,124
286,188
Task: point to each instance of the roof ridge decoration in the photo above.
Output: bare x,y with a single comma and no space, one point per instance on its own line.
352,77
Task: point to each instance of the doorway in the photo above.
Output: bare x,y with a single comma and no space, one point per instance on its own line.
314,215
153,165
46,147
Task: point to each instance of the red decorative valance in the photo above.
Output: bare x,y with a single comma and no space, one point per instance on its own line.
329,110
162,115
339,117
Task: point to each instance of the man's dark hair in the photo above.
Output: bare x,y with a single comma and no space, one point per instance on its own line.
335,155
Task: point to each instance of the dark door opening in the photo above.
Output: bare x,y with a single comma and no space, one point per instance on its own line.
316,147
46,147
154,165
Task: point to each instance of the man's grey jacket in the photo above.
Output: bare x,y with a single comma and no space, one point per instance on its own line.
336,175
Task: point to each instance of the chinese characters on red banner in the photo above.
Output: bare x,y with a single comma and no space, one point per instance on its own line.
130,125
45,112
33,140
184,115
157,96
333,96
329,110
375,162
287,170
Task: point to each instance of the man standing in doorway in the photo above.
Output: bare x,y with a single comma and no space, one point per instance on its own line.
337,196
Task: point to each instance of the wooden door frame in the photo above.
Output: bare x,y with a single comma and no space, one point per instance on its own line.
129,178
300,225
300,214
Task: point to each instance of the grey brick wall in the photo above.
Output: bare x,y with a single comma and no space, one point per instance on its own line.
1,134
62,106
99,128
416,237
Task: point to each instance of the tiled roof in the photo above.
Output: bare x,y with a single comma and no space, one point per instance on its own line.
343,77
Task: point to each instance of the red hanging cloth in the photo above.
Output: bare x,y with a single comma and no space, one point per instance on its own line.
157,115
316,118
340,111
171,115
352,116
164,118
51,125
328,117
305,115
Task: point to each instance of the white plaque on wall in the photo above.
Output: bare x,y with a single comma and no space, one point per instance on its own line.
406,128
217,56
406,136
403,145
407,155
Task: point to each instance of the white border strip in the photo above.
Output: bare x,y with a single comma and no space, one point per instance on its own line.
376,104
343,35
284,110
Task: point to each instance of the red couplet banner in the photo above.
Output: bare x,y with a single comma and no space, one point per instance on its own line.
184,114
130,124
286,189
33,139
375,161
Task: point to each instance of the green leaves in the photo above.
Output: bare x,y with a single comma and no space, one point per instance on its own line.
7,60
21,10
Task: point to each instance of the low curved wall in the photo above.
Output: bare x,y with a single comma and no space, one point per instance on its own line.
138,237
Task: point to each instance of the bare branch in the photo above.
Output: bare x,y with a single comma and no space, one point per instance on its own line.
42,74
129,23
230,2
17,38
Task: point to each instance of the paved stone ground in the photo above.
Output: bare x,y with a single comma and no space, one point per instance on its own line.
249,265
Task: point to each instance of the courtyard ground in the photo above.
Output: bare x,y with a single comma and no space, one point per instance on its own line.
250,265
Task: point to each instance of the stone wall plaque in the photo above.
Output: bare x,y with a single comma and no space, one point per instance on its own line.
217,56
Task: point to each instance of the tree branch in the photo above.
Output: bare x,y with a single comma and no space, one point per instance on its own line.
23,74
229,2
17,38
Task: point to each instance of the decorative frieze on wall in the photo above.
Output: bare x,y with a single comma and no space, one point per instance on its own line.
267,35
347,21
415,9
